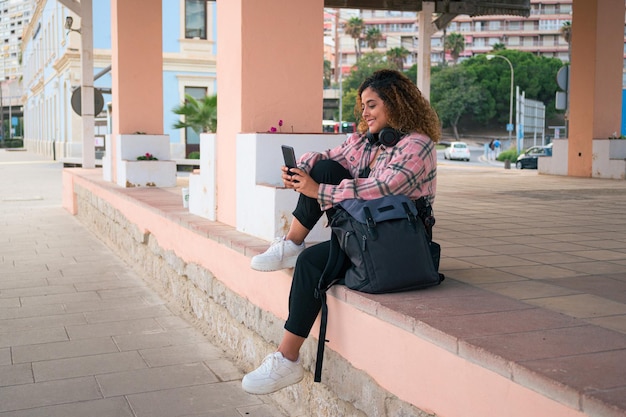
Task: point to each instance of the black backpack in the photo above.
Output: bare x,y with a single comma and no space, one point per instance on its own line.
390,247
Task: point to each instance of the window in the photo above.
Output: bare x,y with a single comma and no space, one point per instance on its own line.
549,9
195,19
514,40
550,24
549,40
494,25
198,93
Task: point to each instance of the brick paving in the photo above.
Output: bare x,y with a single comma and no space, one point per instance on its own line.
81,334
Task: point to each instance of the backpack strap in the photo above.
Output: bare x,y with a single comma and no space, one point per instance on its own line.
330,276
425,212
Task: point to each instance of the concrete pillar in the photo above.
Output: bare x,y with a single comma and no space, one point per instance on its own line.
269,68
423,58
137,68
86,91
595,79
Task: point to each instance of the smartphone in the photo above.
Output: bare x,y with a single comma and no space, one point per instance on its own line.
290,158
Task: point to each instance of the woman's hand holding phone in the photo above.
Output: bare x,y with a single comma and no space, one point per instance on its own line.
302,182
289,156
287,177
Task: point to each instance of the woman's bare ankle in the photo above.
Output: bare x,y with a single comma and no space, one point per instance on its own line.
297,240
290,356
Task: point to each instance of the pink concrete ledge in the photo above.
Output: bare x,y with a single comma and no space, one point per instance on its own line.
453,350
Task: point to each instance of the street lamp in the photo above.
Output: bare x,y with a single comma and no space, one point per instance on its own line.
510,126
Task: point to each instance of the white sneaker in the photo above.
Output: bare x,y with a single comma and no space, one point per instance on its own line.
276,372
280,255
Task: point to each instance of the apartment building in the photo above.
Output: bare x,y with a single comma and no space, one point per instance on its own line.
540,33
52,73
14,17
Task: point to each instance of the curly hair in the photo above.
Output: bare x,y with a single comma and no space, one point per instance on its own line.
407,109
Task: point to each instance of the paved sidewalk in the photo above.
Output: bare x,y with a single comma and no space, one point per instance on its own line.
81,334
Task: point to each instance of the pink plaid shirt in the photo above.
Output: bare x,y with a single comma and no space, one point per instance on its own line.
408,168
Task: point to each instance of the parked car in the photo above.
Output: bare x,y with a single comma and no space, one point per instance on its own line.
528,159
457,150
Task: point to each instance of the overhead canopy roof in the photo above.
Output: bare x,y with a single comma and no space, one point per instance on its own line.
456,7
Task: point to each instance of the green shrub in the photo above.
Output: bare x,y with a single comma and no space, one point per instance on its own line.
193,155
14,143
509,154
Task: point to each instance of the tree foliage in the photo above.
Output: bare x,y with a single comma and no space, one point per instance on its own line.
476,88
354,28
397,56
347,106
200,115
566,31
455,44
535,76
366,66
328,73
372,37
454,93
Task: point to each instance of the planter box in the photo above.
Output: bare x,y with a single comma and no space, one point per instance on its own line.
146,173
609,159
129,147
617,149
202,195
129,172
264,206
557,163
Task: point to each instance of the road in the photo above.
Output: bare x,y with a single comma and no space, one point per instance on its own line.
477,158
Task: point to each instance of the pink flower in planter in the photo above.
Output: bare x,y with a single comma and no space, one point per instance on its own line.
280,125
147,157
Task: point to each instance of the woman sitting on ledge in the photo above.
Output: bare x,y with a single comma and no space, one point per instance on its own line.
393,153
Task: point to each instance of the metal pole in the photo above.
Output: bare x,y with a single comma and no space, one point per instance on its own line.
510,100
10,115
4,77
2,111
86,81
337,64
340,94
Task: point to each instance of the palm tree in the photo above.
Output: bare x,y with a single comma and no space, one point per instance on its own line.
455,43
354,28
566,31
372,37
328,73
199,115
397,56
443,46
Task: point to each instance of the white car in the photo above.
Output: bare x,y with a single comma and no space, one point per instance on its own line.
457,150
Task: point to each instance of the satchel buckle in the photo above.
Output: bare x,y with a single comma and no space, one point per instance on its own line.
370,222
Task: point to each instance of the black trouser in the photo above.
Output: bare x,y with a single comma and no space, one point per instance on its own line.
304,306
